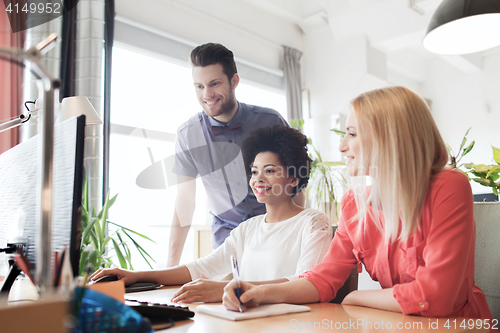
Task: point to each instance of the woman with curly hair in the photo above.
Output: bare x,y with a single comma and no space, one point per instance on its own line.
413,228
278,166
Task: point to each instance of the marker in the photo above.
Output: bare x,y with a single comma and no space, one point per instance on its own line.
236,277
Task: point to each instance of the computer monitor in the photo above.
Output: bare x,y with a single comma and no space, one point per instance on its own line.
20,183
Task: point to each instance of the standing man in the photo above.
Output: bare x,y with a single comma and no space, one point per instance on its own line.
208,145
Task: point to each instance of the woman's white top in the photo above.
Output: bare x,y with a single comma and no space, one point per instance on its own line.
268,251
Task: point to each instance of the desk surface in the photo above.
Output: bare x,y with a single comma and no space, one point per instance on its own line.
323,317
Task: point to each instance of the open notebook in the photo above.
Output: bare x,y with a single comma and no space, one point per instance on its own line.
260,311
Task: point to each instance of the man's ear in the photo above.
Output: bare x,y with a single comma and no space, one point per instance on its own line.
235,81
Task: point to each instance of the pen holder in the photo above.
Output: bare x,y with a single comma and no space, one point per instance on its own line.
96,312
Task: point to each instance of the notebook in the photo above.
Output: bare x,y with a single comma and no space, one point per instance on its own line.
266,310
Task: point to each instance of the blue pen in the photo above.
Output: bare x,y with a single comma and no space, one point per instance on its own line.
236,277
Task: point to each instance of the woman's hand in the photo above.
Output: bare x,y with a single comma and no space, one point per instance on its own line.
128,277
251,295
200,290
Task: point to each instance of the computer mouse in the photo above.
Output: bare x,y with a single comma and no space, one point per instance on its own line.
106,278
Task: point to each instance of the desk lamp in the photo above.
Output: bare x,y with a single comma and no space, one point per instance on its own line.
463,26
75,106
70,107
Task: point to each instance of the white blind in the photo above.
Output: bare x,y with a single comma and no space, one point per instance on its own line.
160,43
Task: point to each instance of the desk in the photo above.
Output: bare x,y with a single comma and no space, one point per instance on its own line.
323,317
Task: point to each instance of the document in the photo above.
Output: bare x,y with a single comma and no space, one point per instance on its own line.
266,310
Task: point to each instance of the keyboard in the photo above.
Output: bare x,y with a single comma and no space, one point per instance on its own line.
157,311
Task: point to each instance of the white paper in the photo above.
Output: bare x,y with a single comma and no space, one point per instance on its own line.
260,311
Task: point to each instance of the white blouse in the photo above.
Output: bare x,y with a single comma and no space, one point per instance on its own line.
268,251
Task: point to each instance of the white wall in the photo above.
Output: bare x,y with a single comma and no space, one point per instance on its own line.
251,34
462,100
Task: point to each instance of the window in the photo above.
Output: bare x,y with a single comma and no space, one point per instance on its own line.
151,97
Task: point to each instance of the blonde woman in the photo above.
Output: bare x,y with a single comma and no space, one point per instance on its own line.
413,229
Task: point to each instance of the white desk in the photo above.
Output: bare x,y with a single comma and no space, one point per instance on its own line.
323,317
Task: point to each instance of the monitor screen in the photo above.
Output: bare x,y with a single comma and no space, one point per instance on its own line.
20,183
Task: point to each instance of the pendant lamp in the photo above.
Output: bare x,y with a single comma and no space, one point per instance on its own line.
464,26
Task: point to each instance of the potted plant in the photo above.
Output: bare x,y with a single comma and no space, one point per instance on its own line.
326,184
486,175
97,238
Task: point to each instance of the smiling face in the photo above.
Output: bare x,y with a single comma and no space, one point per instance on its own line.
215,92
270,182
350,145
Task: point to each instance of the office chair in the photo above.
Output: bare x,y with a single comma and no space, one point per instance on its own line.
487,256
350,284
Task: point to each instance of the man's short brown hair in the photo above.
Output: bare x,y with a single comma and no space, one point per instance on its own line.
214,53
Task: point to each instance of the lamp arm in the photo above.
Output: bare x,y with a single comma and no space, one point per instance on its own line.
22,118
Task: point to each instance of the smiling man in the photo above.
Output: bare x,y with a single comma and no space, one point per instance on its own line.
208,145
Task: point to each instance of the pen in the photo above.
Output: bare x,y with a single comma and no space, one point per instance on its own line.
236,277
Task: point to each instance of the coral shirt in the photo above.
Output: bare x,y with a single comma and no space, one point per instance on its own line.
431,273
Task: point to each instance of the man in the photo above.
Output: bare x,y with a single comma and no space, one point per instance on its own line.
208,144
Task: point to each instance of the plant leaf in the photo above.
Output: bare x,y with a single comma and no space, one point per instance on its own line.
119,254
126,250
496,154
484,182
330,163
482,168
109,202
130,230
494,170
93,260
468,149
336,131
464,140
106,242
103,214
87,231
85,194
140,248
84,258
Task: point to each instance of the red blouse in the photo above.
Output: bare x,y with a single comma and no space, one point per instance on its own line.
432,272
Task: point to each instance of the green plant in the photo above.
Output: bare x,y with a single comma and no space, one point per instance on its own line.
486,175
96,236
462,151
323,180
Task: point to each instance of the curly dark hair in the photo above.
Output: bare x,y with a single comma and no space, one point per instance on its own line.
214,53
288,143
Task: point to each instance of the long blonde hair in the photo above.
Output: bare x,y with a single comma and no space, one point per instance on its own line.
402,148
